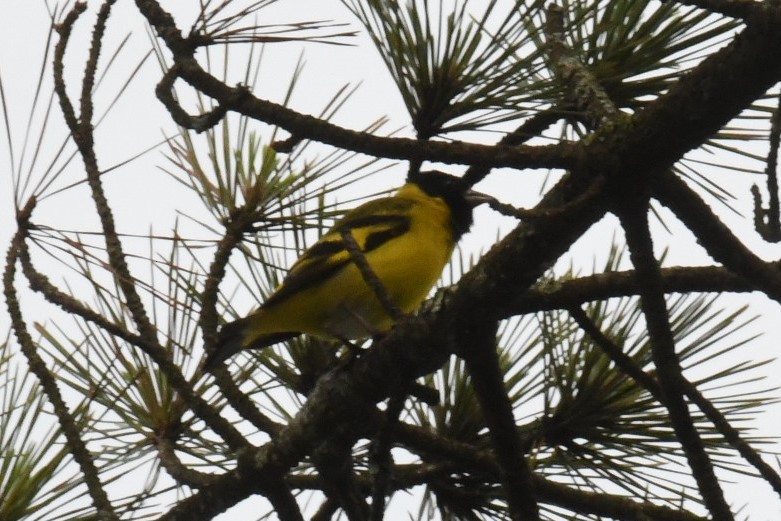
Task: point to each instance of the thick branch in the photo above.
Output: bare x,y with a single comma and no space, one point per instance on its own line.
602,286
478,348
210,501
334,462
701,102
634,220
716,237
733,8
583,87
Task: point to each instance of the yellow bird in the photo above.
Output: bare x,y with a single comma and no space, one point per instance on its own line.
406,239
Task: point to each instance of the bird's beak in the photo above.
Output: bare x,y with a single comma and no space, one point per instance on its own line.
474,198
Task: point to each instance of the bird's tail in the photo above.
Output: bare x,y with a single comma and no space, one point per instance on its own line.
238,335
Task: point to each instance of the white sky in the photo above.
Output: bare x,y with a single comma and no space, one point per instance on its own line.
143,196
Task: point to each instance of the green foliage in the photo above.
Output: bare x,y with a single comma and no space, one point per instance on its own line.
453,73
36,482
589,424
637,50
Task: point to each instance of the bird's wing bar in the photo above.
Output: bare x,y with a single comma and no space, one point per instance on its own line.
371,228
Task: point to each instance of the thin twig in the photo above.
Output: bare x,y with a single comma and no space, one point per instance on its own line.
530,128
623,361
81,130
536,213
208,319
767,221
733,437
371,278
380,457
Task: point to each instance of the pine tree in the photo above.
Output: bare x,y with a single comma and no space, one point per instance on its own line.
543,380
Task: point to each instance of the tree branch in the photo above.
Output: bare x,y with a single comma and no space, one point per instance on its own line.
303,126
70,430
767,222
380,458
81,130
630,368
699,104
583,88
602,286
183,475
334,463
635,223
369,277
478,349
732,8
462,457
40,283
717,239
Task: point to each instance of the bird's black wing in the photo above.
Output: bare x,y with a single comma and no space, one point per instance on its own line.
372,224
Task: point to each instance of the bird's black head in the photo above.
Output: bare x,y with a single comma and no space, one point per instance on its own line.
455,192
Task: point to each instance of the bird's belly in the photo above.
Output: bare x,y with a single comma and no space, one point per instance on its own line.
344,306
407,278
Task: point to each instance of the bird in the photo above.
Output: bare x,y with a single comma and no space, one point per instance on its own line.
406,239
